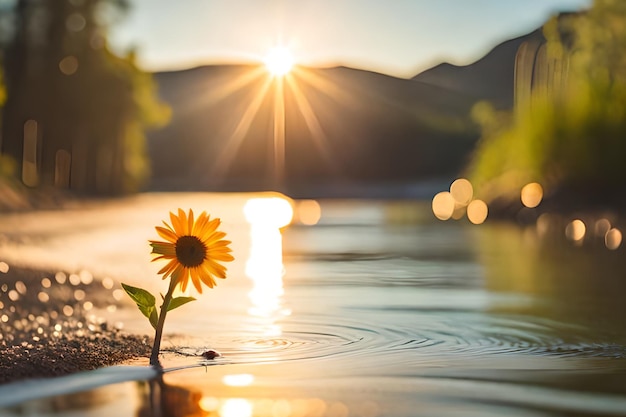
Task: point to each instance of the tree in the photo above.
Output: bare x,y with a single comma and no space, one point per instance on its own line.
76,113
568,130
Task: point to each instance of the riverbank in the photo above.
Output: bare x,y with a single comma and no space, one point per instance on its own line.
50,325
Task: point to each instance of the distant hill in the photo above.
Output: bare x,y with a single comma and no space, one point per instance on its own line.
342,126
490,78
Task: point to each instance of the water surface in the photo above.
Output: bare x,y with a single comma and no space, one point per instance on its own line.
378,309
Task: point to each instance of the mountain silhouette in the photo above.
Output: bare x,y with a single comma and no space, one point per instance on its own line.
341,125
489,78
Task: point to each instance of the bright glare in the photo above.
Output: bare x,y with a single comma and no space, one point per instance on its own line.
273,212
279,61
238,380
265,265
236,407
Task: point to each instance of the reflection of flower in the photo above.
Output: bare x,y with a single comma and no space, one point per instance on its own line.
193,248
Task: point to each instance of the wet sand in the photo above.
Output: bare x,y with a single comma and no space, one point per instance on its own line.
49,325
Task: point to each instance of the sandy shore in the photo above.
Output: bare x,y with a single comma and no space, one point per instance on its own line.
49,325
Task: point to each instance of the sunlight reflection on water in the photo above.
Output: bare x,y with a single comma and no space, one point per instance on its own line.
371,309
265,264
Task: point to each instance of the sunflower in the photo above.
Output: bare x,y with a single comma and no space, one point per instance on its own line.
193,248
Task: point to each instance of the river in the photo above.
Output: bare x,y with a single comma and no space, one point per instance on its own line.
376,308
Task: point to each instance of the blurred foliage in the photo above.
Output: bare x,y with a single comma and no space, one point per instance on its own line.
91,107
568,128
7,167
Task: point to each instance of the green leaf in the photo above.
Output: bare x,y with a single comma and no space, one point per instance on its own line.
154,318
145,301
140,296
151,313
178,301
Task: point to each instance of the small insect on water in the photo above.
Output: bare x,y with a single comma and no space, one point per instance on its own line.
211,354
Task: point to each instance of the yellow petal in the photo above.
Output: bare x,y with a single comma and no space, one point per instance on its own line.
167,225
204,228
182,219
176,224
216,269
217,253
195,280
207,278
199,226
190,223
166,234
213,225
177,275
223,257
220,246
167,269
215,237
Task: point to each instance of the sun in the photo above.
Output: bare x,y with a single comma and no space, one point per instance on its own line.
279,61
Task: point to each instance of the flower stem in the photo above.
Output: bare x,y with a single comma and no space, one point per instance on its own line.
156,347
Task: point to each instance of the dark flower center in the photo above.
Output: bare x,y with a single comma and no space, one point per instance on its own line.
190,251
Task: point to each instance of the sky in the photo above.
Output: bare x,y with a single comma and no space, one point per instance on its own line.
394,37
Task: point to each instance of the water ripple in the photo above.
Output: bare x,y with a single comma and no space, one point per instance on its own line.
451,336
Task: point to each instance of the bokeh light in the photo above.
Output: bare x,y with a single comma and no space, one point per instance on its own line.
443,205
86,277
532,194
236,407
613,239
601,227
462,191
238,380
459,211
209,404
309,212
477,211
285,407
75,22
68,65
108,283
74,279
576,230
60,277
68,310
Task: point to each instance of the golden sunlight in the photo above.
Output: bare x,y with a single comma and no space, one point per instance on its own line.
265,265
238,380
272,212
279,61
236,407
